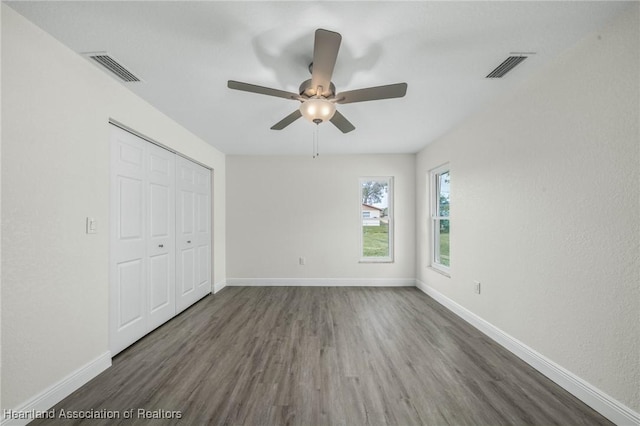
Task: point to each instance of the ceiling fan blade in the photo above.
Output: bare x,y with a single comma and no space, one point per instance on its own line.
372,93
287,120
342,123
246,87
325,53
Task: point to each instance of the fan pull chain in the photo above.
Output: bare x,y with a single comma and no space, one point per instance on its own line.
313,145
316,141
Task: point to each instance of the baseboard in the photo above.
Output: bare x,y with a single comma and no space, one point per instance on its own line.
58,391
322,282
584,391
219,286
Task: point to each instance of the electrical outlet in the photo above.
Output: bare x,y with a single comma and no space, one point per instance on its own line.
301,261
476,287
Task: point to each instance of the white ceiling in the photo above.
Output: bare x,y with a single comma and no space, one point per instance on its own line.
186,51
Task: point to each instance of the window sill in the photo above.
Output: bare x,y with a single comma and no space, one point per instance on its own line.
440,271
376,260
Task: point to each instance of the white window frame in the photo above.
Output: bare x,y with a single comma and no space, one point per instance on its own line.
435,218
375,259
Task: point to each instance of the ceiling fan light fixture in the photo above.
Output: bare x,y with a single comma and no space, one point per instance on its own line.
317,110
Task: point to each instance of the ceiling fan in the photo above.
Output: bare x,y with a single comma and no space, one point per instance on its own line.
317,95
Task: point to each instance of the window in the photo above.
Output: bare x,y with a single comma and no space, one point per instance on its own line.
440,220
376,213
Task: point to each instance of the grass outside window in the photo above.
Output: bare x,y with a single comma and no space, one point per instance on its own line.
375,240
444,248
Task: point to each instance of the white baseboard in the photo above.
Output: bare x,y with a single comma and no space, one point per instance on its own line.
587,393
322,282
58,391
219,286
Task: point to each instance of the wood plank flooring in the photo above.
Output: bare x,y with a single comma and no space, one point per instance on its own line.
321,356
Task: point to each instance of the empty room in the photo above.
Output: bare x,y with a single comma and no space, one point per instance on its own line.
318,213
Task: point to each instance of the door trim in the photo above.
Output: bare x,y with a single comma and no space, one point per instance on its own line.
163,146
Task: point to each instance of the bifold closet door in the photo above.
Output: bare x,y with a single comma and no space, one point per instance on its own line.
160,261
142,289
193,233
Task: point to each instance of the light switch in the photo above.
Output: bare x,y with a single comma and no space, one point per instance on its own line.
92,226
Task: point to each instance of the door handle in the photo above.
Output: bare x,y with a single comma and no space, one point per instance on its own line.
161,245
189,242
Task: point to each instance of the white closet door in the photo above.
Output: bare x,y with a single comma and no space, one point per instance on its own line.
193,233
128,289
161,235
203,230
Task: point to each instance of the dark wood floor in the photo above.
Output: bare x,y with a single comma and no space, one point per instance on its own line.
317,355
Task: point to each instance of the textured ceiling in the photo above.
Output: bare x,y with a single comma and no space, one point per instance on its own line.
186,51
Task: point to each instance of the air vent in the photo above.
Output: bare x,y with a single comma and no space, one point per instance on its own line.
506,66
112,65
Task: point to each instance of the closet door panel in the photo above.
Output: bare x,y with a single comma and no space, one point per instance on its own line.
160,198
187,261
130,278
192,233
203,230
161,235
128,289
187,210
130,223
160,296
185,235
204,273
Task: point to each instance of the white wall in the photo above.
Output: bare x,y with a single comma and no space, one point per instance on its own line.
55,172
545,212
283,208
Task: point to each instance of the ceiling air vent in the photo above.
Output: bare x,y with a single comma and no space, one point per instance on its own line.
112,65
506,66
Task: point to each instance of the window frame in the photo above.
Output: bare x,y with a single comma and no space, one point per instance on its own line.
390,215
435,218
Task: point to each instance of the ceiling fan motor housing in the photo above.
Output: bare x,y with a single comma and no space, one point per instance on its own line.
306,89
